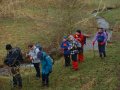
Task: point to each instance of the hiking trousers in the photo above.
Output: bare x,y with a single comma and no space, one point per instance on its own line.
37,68
74,61
80,55
102,51
17,79
67,59
45,79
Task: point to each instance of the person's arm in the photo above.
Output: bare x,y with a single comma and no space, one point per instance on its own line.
95,39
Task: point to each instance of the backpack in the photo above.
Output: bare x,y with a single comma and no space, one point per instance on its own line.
100,38
48,60
14,57
38,46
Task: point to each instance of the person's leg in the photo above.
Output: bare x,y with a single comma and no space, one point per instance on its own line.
68,60
80,55
47,80
103,50
19,80
74,62
14,77
43,79
100,50
14,81
37,68
65,57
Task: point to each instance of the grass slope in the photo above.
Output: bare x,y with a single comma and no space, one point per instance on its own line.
93,74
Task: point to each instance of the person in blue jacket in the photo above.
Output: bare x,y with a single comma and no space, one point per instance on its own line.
65,48
46,63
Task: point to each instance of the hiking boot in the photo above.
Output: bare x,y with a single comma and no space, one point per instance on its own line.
19,87
47,85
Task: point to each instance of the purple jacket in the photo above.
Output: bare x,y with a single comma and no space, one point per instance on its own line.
96,38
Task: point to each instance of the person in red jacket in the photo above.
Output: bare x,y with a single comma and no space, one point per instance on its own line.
80,38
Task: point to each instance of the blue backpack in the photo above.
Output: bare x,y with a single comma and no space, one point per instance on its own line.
48,60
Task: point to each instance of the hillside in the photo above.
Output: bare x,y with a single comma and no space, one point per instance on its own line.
47,21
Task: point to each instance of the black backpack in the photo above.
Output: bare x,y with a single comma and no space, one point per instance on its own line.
14,57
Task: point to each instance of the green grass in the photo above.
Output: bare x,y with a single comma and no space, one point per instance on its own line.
93,74
32,26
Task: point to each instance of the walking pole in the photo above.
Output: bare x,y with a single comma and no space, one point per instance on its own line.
93,51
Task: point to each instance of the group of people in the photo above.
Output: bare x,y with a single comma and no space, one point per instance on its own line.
36,55
72,47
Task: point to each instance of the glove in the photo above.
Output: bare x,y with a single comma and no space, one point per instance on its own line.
93,43
102,43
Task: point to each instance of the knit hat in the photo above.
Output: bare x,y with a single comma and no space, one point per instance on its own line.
8,47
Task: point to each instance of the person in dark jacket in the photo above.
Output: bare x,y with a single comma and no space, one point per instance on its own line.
12,61
101,38
65,47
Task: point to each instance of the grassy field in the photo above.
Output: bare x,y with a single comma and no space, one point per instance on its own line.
93,74
43,21
25,21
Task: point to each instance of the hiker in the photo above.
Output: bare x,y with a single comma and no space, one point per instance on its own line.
33,51
101,38
81,39
74,45
13,59
46,63
65,48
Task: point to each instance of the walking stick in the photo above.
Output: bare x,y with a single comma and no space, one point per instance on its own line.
93,51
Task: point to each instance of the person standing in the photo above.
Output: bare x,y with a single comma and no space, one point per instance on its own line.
33,52
65,48
101,38
81,39
74,45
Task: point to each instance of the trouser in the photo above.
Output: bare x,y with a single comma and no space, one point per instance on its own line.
17,79
67,59
74,61
45,79
102,50
37,68
80,55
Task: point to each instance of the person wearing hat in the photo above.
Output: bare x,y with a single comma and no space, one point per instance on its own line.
101,38
65,48
81,39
